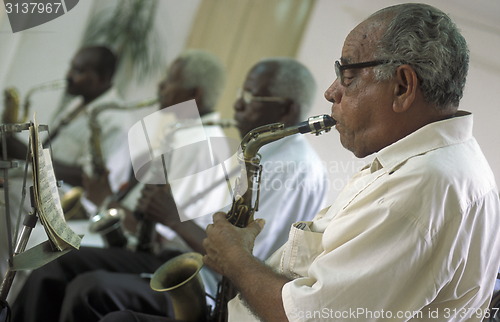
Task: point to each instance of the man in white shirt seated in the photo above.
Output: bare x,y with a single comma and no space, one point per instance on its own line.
414,235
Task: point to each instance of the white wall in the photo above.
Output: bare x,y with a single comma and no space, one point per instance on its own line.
478,20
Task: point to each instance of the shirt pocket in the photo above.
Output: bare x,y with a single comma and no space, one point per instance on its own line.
302,248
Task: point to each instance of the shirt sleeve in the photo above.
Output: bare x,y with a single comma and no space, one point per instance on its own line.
114,142
363,271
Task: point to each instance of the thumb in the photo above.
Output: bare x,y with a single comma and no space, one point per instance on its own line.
256,226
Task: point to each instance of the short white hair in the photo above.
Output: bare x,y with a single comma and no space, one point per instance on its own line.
293,80
205,71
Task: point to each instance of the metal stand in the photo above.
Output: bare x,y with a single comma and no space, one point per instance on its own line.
29,221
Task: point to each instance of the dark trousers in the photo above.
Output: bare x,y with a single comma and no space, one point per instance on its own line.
86,284
129,316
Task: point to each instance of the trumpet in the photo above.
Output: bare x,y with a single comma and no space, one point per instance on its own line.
245,204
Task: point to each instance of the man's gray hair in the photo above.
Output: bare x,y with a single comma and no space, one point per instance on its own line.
205,71
428,40
293,80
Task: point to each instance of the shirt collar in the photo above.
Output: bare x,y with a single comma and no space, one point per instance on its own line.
429,137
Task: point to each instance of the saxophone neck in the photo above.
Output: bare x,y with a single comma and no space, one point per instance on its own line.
263,135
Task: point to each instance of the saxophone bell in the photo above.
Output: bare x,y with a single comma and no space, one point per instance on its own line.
108,224
180,278
72,205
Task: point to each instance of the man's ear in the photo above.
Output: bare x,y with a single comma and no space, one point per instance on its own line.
405,88
106,77
290,114
198,96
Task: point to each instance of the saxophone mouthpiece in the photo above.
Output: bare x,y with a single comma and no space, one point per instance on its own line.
317,124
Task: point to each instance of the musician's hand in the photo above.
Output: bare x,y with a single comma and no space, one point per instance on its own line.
225,243
97,188
157,204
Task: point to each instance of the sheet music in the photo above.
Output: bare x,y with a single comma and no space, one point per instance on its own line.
47,197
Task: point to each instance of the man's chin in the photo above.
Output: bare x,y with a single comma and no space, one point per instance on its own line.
242,131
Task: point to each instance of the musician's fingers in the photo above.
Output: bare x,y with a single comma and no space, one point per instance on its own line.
256,226
147,189
143,202
210,263
219,217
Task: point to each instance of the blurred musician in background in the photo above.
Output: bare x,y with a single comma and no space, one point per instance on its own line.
195,75
293,179
90,77
293,167
90,80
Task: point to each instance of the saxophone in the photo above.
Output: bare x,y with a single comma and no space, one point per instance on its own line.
104,220
72,207
98,162
12,101
146,231
178,273
11,106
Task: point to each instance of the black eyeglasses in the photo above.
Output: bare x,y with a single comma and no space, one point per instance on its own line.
248,97
339,69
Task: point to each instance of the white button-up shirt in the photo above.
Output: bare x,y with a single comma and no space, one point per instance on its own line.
412,236
72,145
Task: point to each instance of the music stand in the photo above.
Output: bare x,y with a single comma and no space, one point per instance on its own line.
30,219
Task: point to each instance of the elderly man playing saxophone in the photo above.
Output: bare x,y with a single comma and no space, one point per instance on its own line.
414,235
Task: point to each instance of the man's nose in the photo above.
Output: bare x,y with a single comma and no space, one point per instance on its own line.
333,93
239,105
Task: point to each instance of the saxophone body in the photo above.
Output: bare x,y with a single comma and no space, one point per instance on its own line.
146,229
71,201
98,161
245,204
106,222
